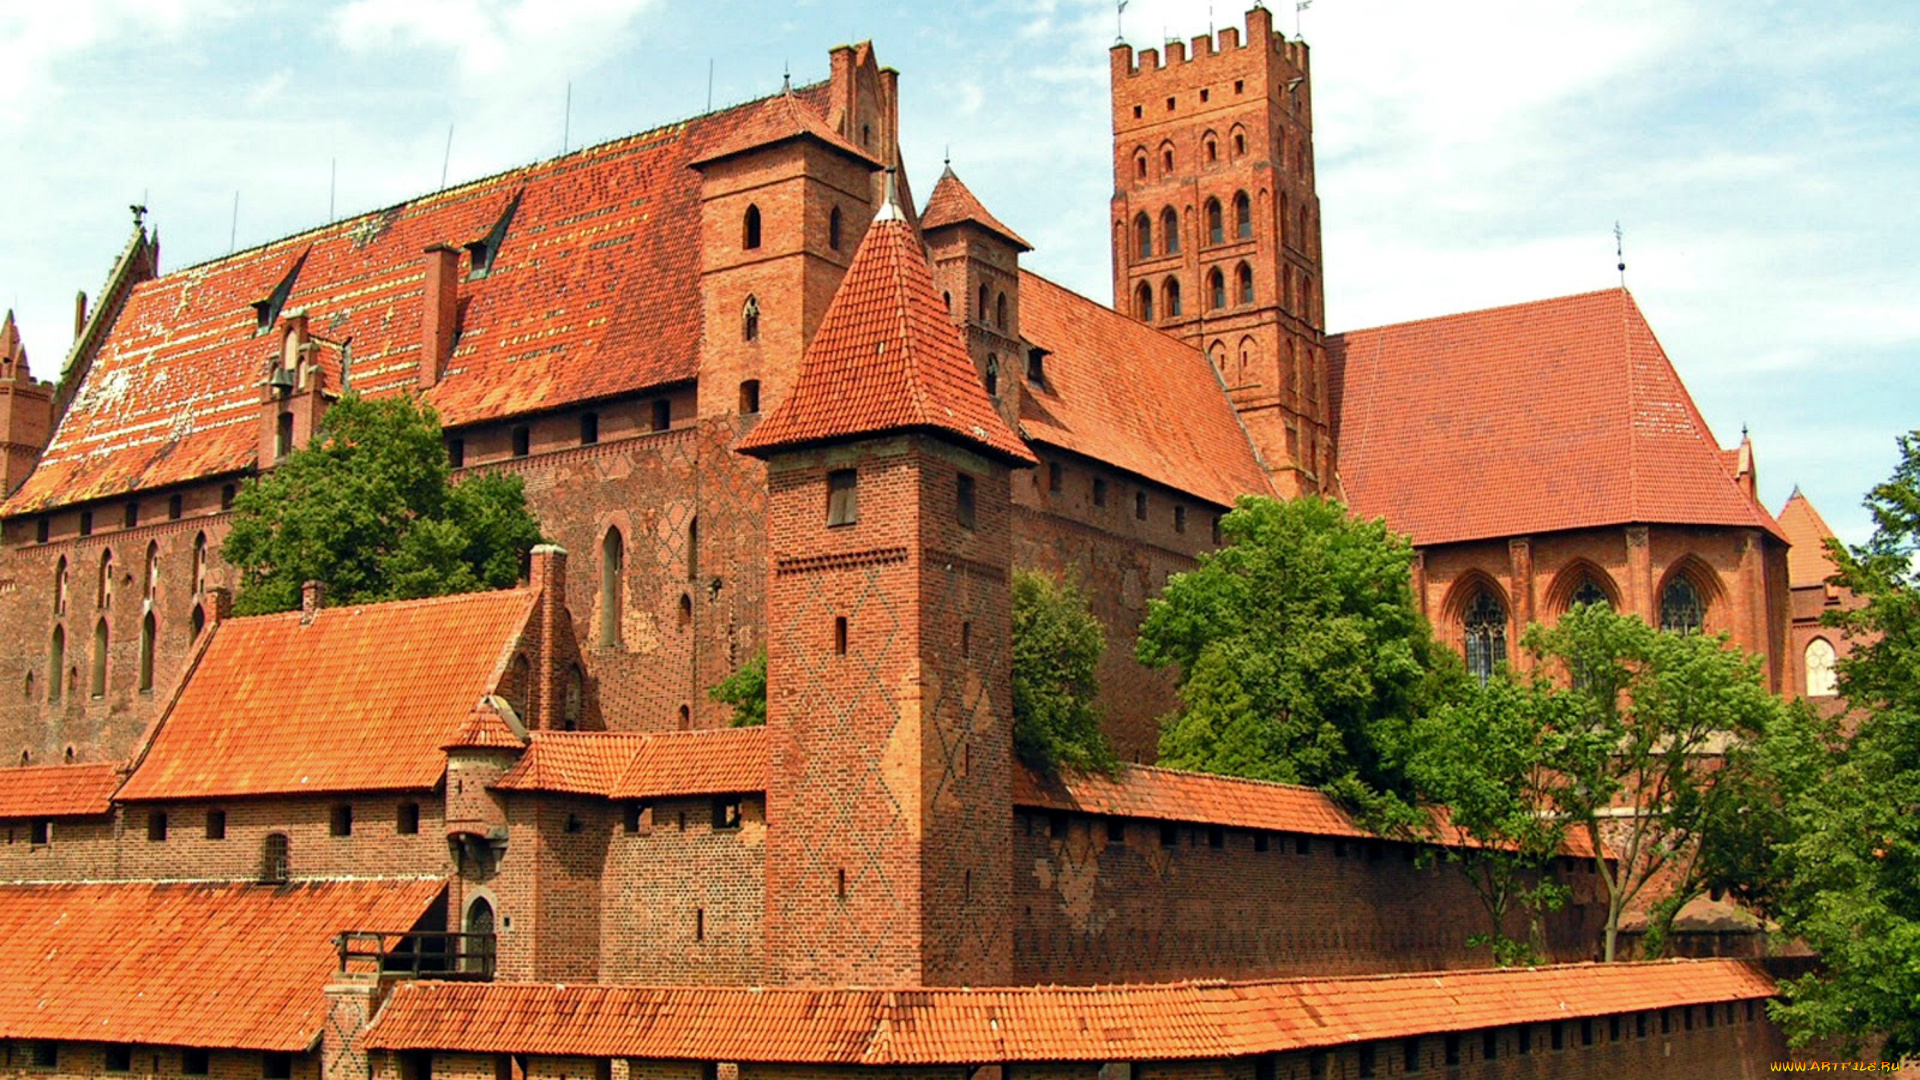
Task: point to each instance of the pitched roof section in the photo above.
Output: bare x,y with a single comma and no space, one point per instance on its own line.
887,359
58,790
594,292
358,699
224,966
633,766
487,729
1051,1023
776,120
952,203
1130,396
1557,414
1808,563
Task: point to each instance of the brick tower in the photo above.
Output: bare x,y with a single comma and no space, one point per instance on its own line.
26,411
1216,228
976,264
889,706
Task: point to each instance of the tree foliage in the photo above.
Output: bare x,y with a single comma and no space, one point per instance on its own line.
1302,656
746,691
1057,645
368,509
1848,878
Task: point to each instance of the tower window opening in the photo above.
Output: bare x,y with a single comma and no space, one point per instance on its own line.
283,436
749,397
833,229
840,635
993,375
750,320
1216,228
1166,162
1143,302
843,497
1242,216
1169,231
613,557
1143,236
1213,148
662,414
1171,298
750,228
589,428
1243,284
964,508
1216,290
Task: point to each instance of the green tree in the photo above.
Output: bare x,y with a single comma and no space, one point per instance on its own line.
746,691
1850,872
1057,645
1302,656
1669,722
367,508
1489,763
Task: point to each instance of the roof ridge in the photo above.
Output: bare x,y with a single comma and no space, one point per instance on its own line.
392,605
1491,310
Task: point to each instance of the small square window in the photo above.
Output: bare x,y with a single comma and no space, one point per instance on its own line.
1136,112
575,825
1452,1050
1057,826
631,818
42,529
1169,836
522,441
131,516
216,824
40,832
726,812
1239,86
1217,838
1302,845
964,506
1523,1036
194,1062
1368,1060
1116,831
407,819
1489,1045
86,523
1056,476
589,428
157,825
173,508
1206,95
119,1058
44,1055
276,1066
341,823
749,397
662,414
1259,842
843,497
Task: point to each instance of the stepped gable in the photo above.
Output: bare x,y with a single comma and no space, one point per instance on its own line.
38,791
966,1026
349,699
1556,414
718,761
1808,564
226,966
593,292
887,358
952,204
1130,396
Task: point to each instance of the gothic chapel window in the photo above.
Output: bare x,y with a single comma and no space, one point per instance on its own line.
104,596
1820,678
1681,611
60,587
1486,635
613,561
1143,302
1171,298
1590,592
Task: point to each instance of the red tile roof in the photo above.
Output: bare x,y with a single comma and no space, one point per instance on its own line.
634,766
717,762
360,699
774,120
952,203
887,359
1155,794
486,729
1558,414
58,790
594,292
1051,1023
228,966
1808,563
1130,396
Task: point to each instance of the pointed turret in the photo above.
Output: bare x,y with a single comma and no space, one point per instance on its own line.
26,411
953,204
1808,564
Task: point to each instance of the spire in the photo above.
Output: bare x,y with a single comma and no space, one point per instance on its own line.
889,202
952,204
887,358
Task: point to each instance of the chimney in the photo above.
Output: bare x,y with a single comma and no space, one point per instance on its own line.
548,579
313,596
438,308
219,604
79,313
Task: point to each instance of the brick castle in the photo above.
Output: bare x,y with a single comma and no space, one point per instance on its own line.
762,399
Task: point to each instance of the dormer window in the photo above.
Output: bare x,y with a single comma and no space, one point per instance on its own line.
1036,364
266,310
481,253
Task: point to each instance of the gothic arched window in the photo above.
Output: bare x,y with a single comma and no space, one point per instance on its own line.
613,562
148,629
833,229
60,587
1216,226
993,375
1170,298
1000,312
1486,635
1216,289
1681,610
1169,231
1590,592
1242,216
57,665
1243,284
150,582
750,319
1820,677
199,563
103,597
750,228
1143,236
1143,302
97,684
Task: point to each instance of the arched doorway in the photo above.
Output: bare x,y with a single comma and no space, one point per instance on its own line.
476,952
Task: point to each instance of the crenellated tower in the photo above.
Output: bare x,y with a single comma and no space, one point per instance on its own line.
1216,227
889,625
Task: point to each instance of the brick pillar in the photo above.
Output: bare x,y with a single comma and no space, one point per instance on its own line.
1420,582
1520,567
1639,585
352,998
548,578
439,309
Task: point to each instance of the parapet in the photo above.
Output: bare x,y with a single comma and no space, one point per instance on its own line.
1148,62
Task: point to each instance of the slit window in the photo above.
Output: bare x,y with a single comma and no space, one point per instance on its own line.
1055,476
833,229
750,397
1099,492
843,497
750,229
1140,505
40,832
340,821
662,414
407,819
840,635
964,507
589,428
522,441
613,559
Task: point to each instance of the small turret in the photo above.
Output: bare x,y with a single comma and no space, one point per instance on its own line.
26,411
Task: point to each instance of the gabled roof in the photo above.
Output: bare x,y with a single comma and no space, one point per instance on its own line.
357,699
59,790
1808,563
1557,414
634,766
887,359
594,292
1130,396
222,966
952,203
954,1025
775,120
487,729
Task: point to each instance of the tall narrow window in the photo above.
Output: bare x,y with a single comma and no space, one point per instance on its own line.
589,428
993,375
843,497
750,229
197,621
1486,634
1216,228
130,517
199,563
1216,289
1169,231
1170,298
840,635
1000,312
613,560
60,587
1143,302
833,229
57,665
1820,678
103,595
573,699
1140,505
1242,216
1243,284
457,453
693,549
964,508
662,414
283,436
97,685
228,493
150,580
750,319
749,397
522,441
1681,611
1143,236
273,859
147,630
174,506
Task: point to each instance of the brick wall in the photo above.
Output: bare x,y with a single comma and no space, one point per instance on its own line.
89,1060
683,899
1092,909
546,891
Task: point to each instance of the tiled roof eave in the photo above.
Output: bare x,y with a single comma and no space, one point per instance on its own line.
986,449
844,149
1038,437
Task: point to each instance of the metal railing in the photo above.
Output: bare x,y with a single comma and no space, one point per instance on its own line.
417,955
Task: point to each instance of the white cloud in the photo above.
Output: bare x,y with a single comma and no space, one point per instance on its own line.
36,38
492,39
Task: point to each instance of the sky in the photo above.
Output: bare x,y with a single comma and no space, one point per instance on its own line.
1759,156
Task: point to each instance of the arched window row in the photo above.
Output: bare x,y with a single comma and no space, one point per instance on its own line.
1217,295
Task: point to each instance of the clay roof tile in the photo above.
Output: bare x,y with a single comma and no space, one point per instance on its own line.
59,790
952,203
1808,563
